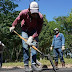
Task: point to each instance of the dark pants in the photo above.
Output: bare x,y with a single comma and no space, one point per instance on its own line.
0,60
58,52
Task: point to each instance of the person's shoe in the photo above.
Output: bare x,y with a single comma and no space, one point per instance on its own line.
39,64
63,64
56,65
27,69
36,68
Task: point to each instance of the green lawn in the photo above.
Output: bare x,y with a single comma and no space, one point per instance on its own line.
46,62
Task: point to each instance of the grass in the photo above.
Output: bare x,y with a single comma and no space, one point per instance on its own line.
13,64
43,61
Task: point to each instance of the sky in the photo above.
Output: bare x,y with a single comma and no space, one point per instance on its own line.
51,8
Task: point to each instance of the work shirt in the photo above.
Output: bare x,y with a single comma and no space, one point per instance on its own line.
29,24
58,41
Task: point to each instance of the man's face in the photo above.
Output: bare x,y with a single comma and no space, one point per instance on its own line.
34,15
56,32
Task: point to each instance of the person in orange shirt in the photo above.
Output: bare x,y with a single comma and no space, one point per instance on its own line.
58,45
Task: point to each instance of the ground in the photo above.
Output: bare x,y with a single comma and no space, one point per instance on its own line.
68,68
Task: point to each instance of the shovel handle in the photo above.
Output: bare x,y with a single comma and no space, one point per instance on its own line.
26,40
20,36
37,50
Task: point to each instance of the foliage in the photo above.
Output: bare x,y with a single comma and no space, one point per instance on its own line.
13,45
12,42
7,6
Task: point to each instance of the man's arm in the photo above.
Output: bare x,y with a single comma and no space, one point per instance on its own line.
52,44
18,19
63,42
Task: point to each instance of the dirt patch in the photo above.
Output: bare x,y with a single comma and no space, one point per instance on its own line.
11,67
59,66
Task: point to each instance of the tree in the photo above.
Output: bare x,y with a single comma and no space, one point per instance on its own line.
12,43
7,6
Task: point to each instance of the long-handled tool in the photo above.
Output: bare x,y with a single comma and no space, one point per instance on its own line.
48,56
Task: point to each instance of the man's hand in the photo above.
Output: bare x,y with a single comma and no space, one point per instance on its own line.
63,48
30,40
12,28
51,48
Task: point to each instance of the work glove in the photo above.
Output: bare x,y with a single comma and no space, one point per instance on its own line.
12,28
51,48
30,40
63,48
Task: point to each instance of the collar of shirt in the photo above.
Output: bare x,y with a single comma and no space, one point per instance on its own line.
57,35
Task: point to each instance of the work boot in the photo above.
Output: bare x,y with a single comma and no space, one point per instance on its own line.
63,64
38,63
27,69
56,64
36,68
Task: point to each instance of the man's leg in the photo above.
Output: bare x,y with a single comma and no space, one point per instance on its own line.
61,57
33,51
55,57
39,63
33,56
0,60
25,52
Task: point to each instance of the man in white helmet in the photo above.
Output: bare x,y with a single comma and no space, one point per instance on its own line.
31,23
58,45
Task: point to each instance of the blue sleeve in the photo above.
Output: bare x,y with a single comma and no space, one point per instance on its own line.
63,40
52,42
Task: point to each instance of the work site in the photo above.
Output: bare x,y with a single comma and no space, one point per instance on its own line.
35,36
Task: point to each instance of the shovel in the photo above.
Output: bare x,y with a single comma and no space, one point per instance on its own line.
47,56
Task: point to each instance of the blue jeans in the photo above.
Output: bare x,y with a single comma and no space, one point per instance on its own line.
57,52
26,50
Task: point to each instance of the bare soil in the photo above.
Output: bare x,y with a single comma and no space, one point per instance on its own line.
59,66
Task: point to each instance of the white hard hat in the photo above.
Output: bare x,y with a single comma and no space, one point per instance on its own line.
34,7
56,29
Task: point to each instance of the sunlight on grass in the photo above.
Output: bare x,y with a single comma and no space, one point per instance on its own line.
14,64
43,61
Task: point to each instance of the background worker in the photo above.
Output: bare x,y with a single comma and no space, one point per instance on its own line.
31,23
58,45
1,52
